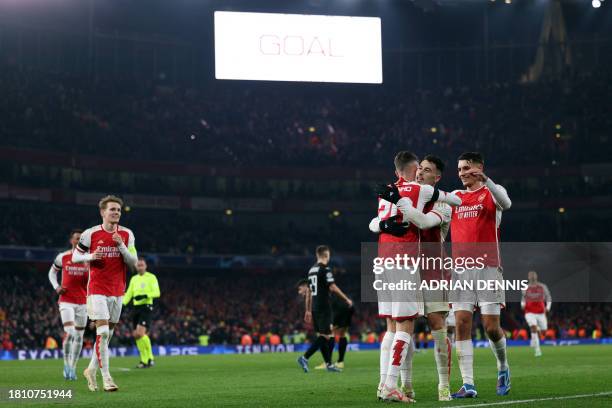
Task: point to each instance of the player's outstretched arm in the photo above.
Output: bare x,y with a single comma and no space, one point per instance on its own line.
448,198
80,257
422,221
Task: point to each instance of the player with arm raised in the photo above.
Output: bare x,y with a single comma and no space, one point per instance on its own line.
72,293
475,234
392,229
318,309
536,302
110,250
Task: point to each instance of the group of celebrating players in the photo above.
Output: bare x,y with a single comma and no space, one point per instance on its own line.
413,210
93,284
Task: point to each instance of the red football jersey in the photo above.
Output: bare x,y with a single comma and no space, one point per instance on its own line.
535,298
476,220
74,278
432,241
419,195
107,275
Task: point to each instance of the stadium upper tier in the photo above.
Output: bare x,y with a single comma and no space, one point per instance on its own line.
549,123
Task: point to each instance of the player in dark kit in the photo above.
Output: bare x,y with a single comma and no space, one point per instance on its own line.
342,314
318,308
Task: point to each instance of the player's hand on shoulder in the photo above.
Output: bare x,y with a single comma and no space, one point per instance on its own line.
388,192
393,227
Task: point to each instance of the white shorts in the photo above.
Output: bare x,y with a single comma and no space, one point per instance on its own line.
435,301
384,309
537,319
407,304
486,308
403,303
100,307
450,319
73,312
482,298
436,307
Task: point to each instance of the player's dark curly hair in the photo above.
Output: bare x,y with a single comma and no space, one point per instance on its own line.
437,161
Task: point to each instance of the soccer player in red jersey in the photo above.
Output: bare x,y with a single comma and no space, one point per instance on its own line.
475,234
433,223
72,293
400,312
110,250
536,302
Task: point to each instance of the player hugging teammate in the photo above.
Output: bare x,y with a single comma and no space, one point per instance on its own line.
407,215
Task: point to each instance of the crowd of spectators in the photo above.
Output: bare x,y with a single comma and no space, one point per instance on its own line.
562,121
222,310
181,232
203,233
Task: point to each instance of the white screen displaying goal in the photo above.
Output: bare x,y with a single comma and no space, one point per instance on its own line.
297,47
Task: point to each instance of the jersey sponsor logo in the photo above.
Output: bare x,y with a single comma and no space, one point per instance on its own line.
110,251
75,270
468,211
482,197
405,189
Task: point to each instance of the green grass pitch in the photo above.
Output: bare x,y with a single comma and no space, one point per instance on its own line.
275,380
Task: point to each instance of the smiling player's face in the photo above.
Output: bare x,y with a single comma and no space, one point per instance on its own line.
427,173
112,213
463,169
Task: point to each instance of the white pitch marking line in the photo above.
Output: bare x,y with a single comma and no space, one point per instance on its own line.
599,394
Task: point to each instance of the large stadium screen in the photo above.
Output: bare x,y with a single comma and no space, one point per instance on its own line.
296,47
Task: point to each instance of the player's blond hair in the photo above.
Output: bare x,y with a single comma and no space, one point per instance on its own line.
109,199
